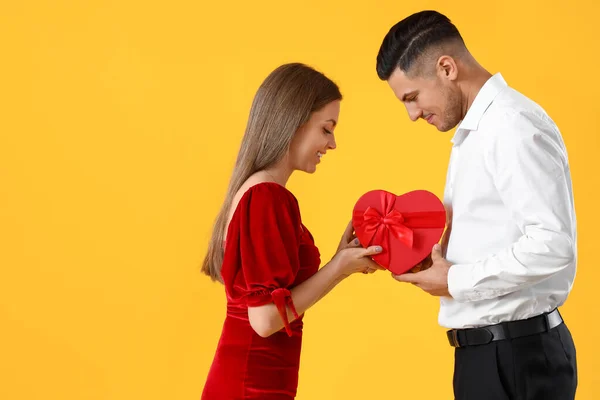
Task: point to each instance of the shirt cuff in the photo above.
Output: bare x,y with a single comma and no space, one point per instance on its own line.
460,285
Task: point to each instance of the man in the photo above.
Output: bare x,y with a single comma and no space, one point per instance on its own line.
510,243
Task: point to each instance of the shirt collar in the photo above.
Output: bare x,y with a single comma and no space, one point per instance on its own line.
482,101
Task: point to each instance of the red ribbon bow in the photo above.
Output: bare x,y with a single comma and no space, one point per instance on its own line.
283,297
378,227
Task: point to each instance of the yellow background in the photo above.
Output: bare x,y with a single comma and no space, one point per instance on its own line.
119,126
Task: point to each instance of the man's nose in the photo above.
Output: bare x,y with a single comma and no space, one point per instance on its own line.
414,112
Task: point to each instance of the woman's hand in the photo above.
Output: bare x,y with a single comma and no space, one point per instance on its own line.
354,258
348,238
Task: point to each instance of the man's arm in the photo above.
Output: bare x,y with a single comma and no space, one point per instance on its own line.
531,174
530,170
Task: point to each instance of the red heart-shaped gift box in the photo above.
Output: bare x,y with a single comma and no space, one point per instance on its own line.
405,226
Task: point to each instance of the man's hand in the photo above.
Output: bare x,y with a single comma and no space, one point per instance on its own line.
433,280
423,265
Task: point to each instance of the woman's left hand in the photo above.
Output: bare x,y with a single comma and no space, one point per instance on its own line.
348,238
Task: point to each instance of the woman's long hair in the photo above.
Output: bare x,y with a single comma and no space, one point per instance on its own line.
282,104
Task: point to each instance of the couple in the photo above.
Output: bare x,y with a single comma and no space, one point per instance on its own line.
506,262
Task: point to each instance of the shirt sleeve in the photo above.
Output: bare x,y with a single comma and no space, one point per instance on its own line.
270,230
529,166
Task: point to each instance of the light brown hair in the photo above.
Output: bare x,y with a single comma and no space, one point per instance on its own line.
283,103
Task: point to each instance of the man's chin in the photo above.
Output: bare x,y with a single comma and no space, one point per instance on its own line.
445,128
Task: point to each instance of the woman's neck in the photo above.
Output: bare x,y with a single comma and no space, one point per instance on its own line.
277,174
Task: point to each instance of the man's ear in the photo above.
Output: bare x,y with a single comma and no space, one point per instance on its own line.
447,68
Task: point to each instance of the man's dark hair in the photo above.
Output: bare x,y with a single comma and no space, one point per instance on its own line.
412,37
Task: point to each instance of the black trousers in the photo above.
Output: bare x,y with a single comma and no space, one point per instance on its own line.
537,367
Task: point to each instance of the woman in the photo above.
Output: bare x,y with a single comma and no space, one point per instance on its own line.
260,249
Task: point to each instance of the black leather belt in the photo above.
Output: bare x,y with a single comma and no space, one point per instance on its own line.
505,330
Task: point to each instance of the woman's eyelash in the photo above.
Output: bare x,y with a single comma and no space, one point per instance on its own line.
327,131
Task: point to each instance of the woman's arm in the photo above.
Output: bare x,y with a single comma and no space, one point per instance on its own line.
266,320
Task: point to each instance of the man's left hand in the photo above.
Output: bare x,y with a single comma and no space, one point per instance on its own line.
433,280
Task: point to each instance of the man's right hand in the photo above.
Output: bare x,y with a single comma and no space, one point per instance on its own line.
423,265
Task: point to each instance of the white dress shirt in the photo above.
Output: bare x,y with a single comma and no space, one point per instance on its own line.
512,227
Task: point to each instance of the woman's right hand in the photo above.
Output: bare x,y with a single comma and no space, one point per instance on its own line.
353,259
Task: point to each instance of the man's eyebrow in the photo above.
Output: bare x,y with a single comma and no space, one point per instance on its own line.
409,94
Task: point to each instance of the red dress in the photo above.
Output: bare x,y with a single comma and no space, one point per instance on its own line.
268,251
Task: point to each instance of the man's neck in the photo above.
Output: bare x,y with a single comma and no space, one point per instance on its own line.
479,76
